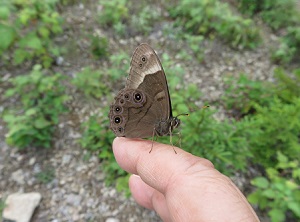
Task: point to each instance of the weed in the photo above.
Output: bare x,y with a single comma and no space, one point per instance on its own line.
99,47
241,94
113,11
142,22
270,9
29,32
278,192
289,47
2,207
215,19
119,66
42,100
46,176
91,83
98,137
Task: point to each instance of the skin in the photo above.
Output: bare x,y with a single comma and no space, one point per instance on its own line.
180,187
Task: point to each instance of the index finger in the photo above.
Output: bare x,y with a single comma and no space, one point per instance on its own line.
158,168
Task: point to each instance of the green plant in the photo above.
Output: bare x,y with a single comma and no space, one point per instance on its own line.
122,185
46,176
143,20
224,143
287,87
119,66
113,11
27,27
212,18
97,137
41,99
91,82
289,47
120,28
241,94
270,9
99,47
194,43
273,112
278,192
2,206
272,138
278,127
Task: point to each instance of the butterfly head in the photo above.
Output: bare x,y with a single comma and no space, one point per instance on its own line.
174,123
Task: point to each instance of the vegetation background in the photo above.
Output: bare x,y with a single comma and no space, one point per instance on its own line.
62,62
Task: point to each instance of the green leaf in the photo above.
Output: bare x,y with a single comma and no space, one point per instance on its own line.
31,41
291,185
7,36
269,193
8,118
44,32
294,206
260,182
254,197
277,215
20,55
30,112
281,158
4,12
41,123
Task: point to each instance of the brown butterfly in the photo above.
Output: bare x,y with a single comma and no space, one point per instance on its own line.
143,108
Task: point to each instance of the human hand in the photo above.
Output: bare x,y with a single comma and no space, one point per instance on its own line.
180,187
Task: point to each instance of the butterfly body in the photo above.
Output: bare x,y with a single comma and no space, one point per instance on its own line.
143,108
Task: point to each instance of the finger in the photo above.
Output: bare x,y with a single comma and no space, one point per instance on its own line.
148,197
158,168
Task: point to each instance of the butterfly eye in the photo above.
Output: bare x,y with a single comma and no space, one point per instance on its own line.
141,65
122,101
138,97
126,96
144,59
118,109
117,120
120,129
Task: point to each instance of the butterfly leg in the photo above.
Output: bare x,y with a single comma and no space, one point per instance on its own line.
171,141
179,140
153,134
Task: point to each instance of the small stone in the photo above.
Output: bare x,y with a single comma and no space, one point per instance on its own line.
20,207
66,159
32,161
111,219
20,158
75,188
73,199
18,176
81,6
37,168
59,61
100,176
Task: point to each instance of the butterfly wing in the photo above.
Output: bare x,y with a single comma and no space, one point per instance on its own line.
147,80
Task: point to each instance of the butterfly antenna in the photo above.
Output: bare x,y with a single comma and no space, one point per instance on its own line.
183,114
203,107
